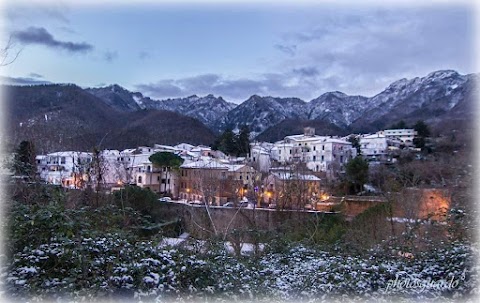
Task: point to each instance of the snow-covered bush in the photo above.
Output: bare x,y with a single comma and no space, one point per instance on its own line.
110,266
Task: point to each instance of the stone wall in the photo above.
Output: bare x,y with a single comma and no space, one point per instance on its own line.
195,219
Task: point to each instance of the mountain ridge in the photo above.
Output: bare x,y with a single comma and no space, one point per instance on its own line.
443,95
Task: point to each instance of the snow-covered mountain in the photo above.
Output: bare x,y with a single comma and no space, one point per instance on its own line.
118,97
207,109
337,108
259,113
430,98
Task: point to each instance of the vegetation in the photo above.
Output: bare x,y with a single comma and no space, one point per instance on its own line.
357,173
355,143
24,163
423,131
168,161
234,144
399,125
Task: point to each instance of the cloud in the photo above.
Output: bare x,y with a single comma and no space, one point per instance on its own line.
358,52
362,51
32,80
35,10
161,89
287,49
308,71
109,56
232,89
40,36
35,75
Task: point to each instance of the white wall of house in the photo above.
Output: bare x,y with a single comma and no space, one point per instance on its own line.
318,152
64,168
374,146
405,135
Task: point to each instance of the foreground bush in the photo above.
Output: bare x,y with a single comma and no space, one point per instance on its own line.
111,267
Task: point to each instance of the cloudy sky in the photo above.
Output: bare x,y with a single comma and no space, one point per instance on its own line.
235,50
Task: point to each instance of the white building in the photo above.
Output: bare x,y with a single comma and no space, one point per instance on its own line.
320,153
69,168
405,135
260,154
374,146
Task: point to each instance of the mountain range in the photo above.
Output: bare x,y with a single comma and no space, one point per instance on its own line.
130,118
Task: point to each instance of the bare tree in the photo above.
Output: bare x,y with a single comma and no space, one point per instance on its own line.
9,53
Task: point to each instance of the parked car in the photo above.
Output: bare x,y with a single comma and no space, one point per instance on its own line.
165,199
195,202
228,204
272,205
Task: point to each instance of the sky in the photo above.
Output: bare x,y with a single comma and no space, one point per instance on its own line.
234,50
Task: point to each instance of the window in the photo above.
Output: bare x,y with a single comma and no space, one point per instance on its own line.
323,147
168,181
140,179
290,152
158,178
341,159
323,158
164,181
314,158
314,148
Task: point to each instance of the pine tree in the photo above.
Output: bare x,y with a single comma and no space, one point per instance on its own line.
166,160
243,141
357,172
24,160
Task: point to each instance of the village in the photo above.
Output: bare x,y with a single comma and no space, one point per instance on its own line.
289,174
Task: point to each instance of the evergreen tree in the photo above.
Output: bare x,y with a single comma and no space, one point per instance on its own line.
24,160
422,132
243,142
355,143
167,160
400,125
357,172
422,129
